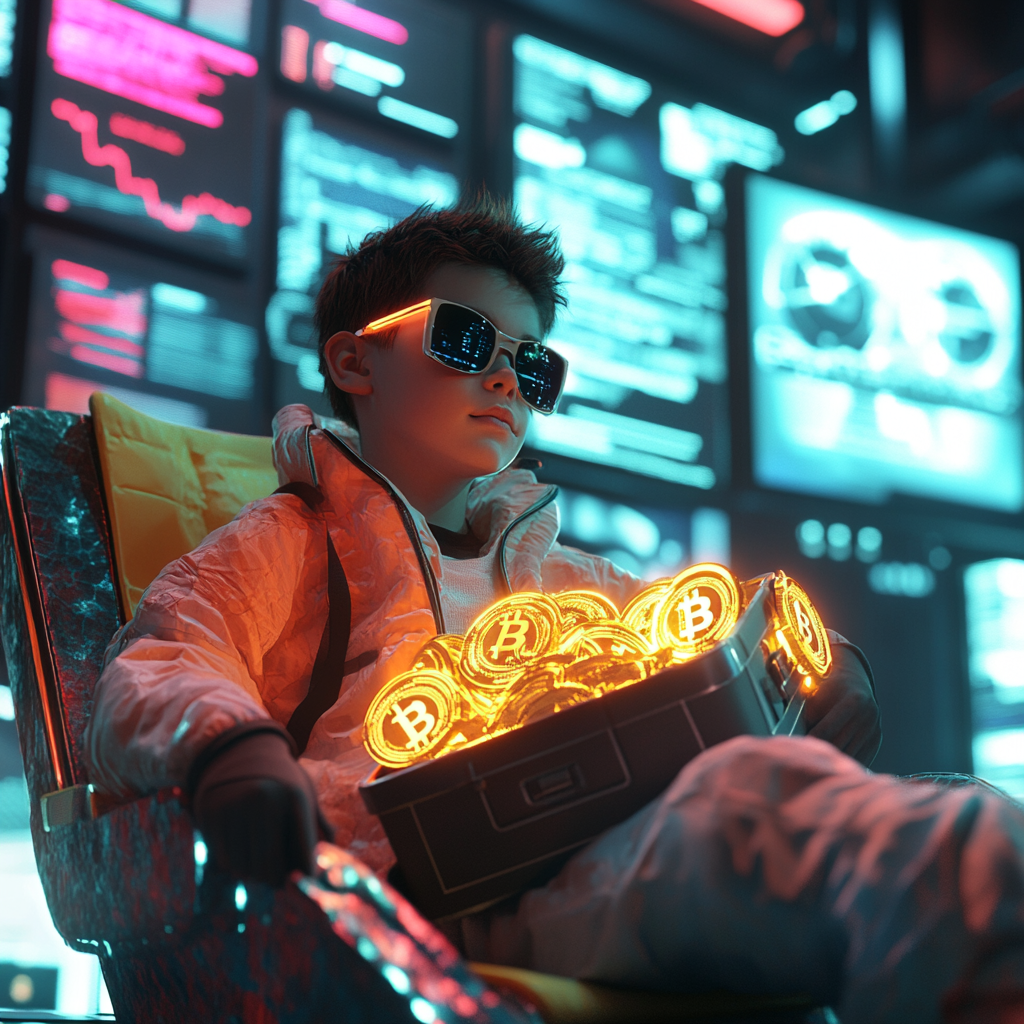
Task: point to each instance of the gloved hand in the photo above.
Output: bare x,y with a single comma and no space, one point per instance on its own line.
257,809
843,710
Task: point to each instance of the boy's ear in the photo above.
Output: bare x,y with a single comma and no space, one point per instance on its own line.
347,362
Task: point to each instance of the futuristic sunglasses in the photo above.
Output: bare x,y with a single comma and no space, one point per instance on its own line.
463,339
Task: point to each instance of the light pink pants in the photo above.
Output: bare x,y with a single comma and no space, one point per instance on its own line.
782,866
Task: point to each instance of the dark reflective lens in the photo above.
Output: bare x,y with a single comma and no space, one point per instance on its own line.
461,338
540,372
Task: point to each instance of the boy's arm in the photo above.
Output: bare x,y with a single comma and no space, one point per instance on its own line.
189,666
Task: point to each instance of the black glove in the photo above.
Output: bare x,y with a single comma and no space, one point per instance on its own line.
256,808
843,710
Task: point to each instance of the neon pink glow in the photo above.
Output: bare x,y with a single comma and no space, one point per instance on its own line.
294,47
323,69
362,20
109,361
124,312
772,17
57,203
69,394
164,139
192,207
130,54
65,270
83,336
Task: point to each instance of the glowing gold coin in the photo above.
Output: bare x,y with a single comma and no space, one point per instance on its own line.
606,672
540,703
639,613
607,636
699,610
584,606
803,624
411,717
507,636
441,654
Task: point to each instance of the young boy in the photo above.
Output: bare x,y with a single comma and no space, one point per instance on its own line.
407,503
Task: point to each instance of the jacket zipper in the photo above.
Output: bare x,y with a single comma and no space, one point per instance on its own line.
535,507
410,528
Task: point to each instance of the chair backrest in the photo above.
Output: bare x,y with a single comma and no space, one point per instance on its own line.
95,507
60,605
168,486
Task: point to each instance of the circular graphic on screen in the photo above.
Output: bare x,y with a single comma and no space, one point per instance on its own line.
969,334
826,296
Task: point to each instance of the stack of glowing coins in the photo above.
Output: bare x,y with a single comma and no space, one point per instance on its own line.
531,655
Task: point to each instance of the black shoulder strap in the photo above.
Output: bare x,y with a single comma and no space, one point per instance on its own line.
329,666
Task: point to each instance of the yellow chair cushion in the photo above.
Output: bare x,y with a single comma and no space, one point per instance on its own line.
168,486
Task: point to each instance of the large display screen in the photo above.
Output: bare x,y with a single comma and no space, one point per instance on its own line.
885,352
145,126
407,61
632,182
337,185
994,602
168,341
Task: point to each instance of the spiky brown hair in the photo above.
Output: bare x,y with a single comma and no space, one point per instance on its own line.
386,271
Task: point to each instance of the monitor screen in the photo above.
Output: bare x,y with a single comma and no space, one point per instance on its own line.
405,61
632,181
167,340
885,352
994,603
144,124
337,185
649,542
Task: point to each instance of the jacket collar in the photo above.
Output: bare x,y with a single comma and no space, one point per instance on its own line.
494,503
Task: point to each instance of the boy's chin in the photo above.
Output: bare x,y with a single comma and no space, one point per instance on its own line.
482,462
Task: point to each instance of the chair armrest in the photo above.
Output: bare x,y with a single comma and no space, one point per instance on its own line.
126,875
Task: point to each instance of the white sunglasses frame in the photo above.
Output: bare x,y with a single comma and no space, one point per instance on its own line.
430,307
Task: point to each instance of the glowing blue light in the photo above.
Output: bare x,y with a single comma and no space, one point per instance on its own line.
546,149
825,114
869,543
366,949
427,120
201,852
5,144
810,538
364,64
901,579
179,298
610,88
422,1010
397,978
887,75
241,897
994,603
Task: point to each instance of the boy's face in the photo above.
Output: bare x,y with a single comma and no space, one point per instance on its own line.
416,415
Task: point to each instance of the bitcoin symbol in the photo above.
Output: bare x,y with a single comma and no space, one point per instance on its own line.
694,615
512,636
803,624
418,727
700,608
411,717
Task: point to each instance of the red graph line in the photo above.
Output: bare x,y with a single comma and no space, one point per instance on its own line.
176,219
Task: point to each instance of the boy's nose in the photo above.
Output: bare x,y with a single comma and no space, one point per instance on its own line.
501,377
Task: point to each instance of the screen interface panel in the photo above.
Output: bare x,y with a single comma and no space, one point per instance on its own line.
994,602
145,126
169,342
336,187
632,182
405,61
885,352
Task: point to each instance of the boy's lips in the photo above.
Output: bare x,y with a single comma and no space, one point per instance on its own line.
499,413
